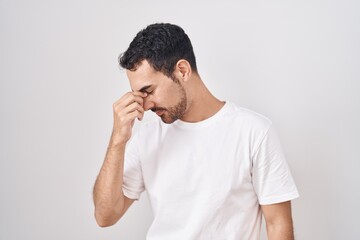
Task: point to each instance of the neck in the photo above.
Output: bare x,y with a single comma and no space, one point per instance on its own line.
201,103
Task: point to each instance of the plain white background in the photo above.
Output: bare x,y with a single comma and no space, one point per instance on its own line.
297,62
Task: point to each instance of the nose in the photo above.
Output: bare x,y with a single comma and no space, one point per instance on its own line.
148,104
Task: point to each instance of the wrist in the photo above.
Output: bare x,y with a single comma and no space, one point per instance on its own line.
117,141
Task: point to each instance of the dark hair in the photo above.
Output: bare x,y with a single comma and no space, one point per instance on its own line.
162,45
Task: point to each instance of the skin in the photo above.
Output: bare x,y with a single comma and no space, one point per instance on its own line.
186,98
164,96
279,225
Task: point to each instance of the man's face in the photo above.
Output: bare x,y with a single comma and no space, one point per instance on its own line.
165,97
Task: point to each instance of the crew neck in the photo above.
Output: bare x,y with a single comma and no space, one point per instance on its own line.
193,125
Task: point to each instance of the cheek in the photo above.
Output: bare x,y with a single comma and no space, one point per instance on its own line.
172,97
165,96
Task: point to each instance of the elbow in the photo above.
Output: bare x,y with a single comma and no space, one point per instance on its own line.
103,220
103,223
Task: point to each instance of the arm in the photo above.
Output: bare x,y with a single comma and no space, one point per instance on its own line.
109,200
279,225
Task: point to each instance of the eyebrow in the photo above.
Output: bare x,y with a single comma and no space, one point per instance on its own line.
143,89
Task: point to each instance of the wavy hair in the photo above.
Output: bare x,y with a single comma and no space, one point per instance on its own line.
162,45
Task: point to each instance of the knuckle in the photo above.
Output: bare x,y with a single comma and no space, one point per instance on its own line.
121,118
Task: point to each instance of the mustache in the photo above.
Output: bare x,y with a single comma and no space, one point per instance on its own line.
154,109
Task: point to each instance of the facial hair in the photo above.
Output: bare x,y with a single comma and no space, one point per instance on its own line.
171,114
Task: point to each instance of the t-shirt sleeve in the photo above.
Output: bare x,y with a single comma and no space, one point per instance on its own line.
272,180
133,183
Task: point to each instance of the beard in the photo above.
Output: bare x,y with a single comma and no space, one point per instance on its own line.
171,114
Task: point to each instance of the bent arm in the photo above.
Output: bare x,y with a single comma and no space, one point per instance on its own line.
110,202
279,224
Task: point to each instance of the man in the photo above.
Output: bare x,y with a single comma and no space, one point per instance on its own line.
210,168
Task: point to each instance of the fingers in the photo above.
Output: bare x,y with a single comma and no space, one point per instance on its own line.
126,109
131,97
136,114
131,102
135,106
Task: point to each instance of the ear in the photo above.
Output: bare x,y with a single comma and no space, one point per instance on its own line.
183,70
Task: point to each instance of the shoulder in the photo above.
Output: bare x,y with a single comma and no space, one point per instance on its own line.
247,118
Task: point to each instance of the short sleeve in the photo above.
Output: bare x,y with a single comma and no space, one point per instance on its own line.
272,180
133,183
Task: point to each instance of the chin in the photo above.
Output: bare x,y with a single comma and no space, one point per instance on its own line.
167,119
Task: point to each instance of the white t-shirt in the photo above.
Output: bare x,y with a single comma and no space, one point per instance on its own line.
205,180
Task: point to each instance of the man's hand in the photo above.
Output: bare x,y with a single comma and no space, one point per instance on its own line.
126,109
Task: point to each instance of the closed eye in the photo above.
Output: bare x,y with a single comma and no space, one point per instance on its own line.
145,89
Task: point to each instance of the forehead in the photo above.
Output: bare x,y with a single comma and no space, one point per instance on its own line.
144,75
